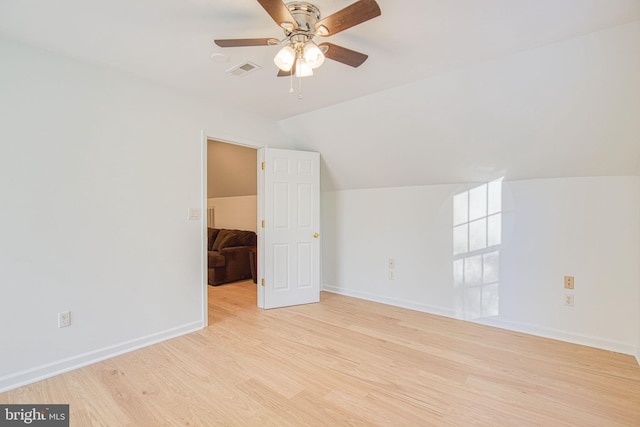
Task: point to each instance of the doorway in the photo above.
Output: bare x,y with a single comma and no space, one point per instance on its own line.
231,204
287,250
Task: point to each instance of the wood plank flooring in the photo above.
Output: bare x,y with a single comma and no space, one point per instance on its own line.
346,362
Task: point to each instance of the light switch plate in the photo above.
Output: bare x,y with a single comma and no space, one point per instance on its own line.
194,214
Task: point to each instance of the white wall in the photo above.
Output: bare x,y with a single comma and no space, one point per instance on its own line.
585,227
97,172
239,213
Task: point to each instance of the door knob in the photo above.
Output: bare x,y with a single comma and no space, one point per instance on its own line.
316,235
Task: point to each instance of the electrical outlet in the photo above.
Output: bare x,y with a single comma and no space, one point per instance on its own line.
568,282
568,300
64,319
392,263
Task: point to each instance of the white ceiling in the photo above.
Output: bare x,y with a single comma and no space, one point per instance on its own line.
171,41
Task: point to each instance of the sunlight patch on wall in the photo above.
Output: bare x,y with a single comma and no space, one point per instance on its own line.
477,234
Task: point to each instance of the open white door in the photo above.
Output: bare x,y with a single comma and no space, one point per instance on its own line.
289,227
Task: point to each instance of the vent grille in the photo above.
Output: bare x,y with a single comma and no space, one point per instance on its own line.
243,68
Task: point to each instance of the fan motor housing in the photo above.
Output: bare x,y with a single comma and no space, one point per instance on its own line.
306,16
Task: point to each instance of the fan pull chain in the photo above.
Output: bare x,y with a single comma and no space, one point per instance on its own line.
291,79
300,87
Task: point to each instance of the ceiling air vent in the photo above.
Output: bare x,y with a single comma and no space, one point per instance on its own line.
243,69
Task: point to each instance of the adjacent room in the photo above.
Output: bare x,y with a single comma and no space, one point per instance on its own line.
232,208
474,254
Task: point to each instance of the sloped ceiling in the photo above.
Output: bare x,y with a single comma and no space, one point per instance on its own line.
563,110
453,91
231,170
171,41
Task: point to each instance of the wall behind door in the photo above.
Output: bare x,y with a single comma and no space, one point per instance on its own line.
232,185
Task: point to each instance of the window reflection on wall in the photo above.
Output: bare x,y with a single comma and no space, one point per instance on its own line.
477,233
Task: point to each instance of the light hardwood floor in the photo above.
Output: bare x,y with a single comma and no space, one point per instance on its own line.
346,362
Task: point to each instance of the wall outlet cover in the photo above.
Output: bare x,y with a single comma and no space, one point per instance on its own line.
569,282
64,319
568,299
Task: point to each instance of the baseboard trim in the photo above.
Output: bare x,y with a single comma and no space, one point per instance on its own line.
586,340
556,334
48,370
431,309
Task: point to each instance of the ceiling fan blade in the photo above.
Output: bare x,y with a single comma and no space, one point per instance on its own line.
246,42
280,13
342,54
350,16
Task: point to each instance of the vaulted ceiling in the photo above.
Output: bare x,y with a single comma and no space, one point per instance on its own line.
452,91
171,41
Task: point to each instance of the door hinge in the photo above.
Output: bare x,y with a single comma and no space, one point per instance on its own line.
262,165
262,282
262,223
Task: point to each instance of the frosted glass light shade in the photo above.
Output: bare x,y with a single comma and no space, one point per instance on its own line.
313,55
303,69
285,58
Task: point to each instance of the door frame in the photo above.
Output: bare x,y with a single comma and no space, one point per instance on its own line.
204,201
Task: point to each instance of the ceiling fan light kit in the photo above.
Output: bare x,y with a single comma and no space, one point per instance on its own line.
301,22
312,54
303,69
306,57
285,58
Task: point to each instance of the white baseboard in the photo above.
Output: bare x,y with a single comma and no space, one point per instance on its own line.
585,340
638,357
48,370
555,334
432,309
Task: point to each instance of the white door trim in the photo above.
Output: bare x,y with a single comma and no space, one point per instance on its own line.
203,228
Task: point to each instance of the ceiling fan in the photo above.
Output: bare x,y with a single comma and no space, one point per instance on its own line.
301,22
